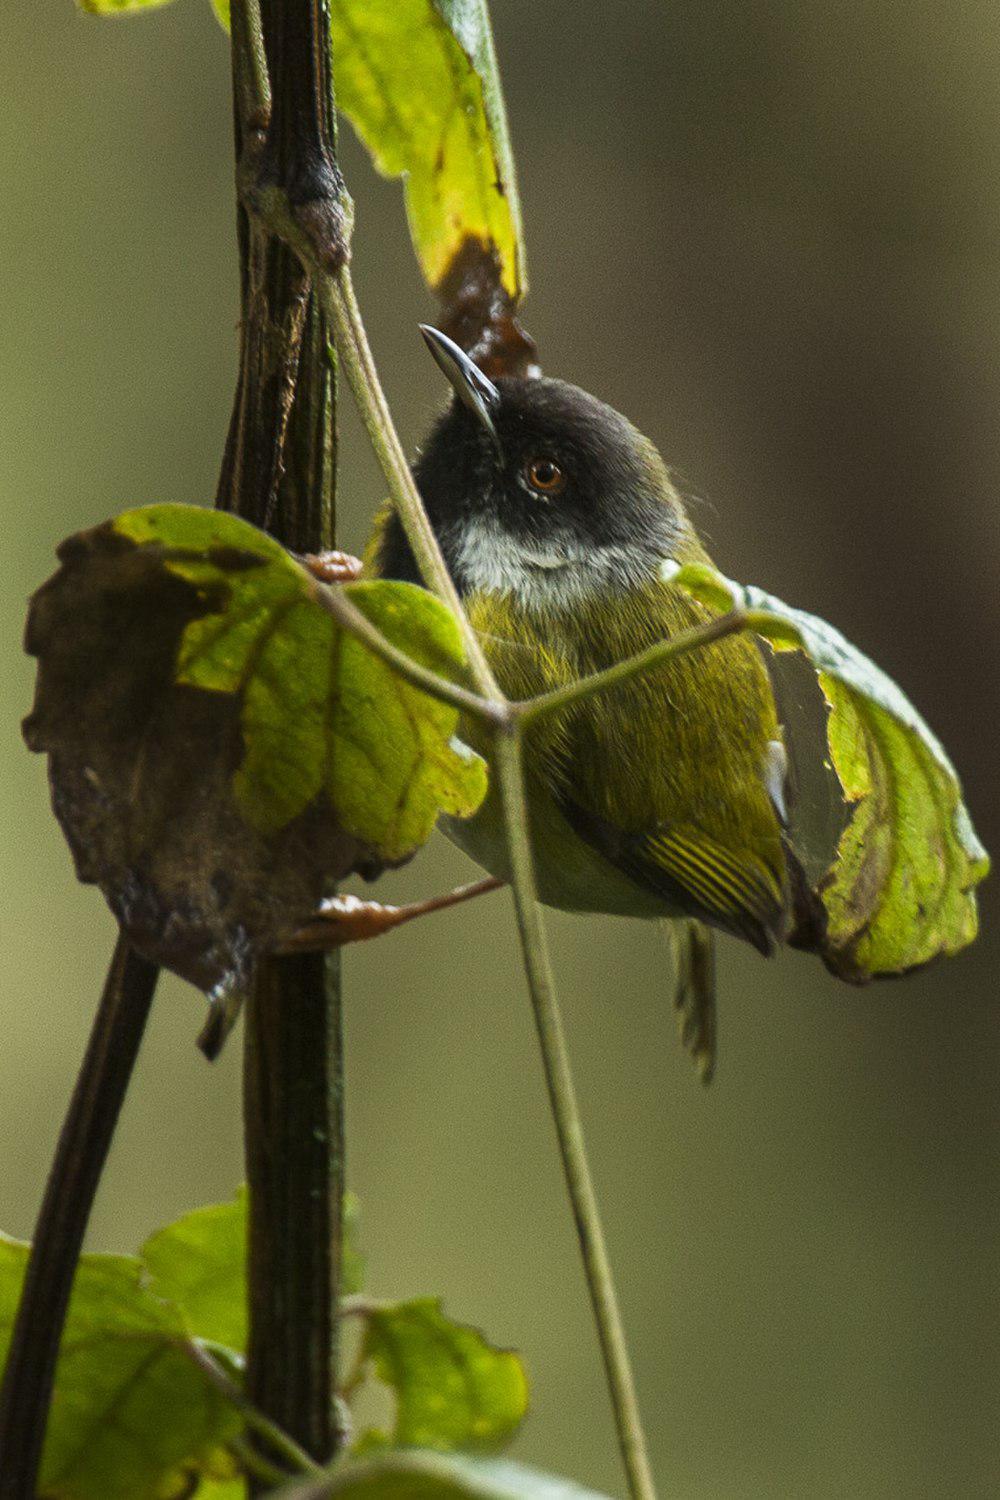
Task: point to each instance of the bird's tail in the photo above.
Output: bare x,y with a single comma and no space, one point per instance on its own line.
693,946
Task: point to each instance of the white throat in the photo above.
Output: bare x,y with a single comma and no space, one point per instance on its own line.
491,561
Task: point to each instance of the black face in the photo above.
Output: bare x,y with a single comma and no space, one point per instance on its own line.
548,471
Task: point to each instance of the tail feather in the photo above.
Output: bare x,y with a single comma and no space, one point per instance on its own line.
693,946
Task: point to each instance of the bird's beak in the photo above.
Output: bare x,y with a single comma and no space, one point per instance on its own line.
468,382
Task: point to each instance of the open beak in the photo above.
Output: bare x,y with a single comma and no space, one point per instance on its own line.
468,382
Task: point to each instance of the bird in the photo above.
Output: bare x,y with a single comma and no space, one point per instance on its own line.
665,797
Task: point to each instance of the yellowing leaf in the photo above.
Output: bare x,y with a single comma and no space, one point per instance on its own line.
901,890
418,80
319,711
452,1388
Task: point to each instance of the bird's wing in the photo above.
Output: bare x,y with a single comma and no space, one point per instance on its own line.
729,888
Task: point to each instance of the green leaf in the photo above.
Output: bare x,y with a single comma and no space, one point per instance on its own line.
418,80
452,1388
901,890
199,1264
221,1489
319,711
220,750
413,1475
393,769
131,1416
123,7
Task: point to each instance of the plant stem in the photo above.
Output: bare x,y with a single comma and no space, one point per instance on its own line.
279,471
337,295
499,712
351,618
293,1107
352,346
507,761
297,1459
62,1221
632,666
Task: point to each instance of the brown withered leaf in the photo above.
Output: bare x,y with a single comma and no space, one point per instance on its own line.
141,769
221,750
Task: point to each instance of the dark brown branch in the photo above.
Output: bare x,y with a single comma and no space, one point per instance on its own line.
279,472
293,1102
62,1221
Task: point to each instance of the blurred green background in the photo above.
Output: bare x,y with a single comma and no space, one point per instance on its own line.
768,232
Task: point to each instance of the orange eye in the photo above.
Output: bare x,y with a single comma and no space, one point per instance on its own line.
545,476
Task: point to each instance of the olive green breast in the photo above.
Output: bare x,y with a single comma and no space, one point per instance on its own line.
684,744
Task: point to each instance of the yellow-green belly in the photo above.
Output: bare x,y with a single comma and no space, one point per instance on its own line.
571,876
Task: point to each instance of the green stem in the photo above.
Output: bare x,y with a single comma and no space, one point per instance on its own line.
566,1114
340,303
337,295
499,711
653,656
351,618
275,1438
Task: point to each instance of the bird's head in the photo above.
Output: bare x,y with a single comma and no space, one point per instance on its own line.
537,488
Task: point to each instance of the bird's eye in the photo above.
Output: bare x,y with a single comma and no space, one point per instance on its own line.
544,476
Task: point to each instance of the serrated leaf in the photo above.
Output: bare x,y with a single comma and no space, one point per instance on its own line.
131,1416
319,711
453,1389
220,750
198,1263
392,773
901,890
413,1475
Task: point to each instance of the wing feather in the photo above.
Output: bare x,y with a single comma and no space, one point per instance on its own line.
730,889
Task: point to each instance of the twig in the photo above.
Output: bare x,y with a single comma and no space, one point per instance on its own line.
499,712
337,295
276,1439
566,1114
347,614
694,639
346,919
62,1221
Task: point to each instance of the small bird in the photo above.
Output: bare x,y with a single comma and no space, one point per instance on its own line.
664,797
